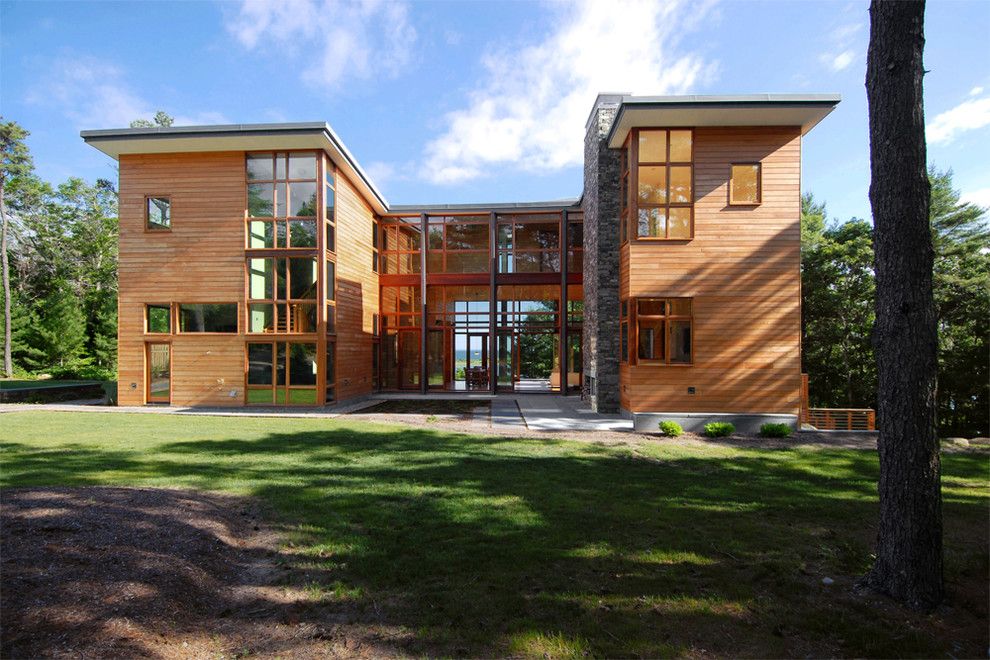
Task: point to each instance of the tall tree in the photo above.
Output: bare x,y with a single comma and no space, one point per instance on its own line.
962,280
908,564
15,160
161,118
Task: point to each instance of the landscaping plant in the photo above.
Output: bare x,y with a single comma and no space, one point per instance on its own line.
772,430
719,429
671,429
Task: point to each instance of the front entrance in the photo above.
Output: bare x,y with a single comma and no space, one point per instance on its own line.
471,368
158,373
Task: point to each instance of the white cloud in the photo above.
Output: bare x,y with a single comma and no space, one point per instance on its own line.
839,62
842,51
967,116
979,197
349,39
529,107
976,91
92,93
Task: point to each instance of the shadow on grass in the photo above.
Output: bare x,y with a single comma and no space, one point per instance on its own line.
489,546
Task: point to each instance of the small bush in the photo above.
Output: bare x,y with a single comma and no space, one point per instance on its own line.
719,429
775,431
82,369
671,429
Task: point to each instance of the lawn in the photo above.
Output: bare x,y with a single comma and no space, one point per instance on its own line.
495,546
16,384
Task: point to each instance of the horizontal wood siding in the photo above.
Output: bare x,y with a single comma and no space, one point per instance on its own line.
742,270
200,260
357,291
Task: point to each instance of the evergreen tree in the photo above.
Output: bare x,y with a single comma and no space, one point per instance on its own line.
61,326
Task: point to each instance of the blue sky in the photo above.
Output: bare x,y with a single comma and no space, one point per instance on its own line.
475,102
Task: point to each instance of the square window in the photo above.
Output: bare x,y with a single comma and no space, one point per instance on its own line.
158,319
158,213
744,184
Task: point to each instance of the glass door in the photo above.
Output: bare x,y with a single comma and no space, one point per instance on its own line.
159,373
505,359
476,369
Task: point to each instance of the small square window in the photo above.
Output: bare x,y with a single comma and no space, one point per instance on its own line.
158,213
744,184
158,319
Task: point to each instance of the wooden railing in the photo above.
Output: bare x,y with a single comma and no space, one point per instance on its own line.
835,419
842,419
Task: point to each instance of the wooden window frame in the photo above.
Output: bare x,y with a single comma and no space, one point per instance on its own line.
148,229
626,202
667,317
277,302
147,371
171,319
514,221
330,302
273,388
391,226
759,184
284,221
376,241
330,347
385,317
177,315
632,228
446,221
624,325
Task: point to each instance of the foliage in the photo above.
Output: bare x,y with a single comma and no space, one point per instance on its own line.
161,118
486,547
671,429
773,430
719,429
837,309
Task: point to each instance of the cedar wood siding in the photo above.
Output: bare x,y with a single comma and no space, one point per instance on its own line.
357,290
202,259
743,270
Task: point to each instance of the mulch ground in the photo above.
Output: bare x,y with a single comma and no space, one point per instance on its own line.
155,573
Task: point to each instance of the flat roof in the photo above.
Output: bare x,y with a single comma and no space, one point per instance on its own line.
804,110
237,137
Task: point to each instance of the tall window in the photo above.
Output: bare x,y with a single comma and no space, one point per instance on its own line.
330,207
745,181
575,242
624,331
282,200
664,200
375,238
282,294
663,330
401,243
330,284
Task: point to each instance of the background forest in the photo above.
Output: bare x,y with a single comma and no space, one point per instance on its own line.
62,251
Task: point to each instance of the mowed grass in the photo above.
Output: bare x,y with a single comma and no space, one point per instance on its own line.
547,548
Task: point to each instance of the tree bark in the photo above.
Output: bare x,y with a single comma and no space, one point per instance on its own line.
8,361
908,564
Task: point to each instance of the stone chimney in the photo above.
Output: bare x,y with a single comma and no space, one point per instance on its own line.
600,203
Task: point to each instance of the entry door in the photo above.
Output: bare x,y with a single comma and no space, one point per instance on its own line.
158,365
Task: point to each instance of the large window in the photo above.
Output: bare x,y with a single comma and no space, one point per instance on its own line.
458,244
529,243
282,294
624,331
575,242
281,373
663,204
282,200
663,330
210,317
401,242
400,306
329,207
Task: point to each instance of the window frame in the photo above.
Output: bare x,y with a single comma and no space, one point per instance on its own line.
667,318
285,222
445,222
514,221
624,330
171,320
279,303
759,183
147,221
177,314
634,205
274,387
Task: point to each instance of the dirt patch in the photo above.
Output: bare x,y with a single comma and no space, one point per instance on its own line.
100,572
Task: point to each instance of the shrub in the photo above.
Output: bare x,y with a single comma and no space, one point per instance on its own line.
671,429
719,429
775,430
81,369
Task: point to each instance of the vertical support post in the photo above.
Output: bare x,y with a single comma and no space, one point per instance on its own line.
564,243
423,244
492,298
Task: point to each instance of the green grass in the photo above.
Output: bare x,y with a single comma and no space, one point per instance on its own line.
495,546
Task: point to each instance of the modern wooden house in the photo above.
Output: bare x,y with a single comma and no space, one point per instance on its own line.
259,265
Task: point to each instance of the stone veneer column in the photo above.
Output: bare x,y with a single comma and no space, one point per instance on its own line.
601,258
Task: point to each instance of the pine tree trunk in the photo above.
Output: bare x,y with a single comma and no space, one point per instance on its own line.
8,362
908,563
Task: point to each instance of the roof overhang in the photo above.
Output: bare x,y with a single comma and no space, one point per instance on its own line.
804,110
237,137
